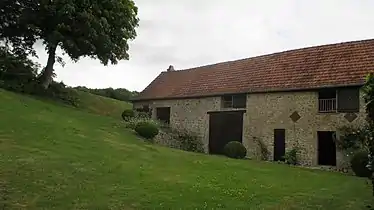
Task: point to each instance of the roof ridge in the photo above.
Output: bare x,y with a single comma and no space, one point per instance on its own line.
275,53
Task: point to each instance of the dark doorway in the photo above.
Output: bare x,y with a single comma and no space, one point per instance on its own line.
279,144
223,128
326,148
163,114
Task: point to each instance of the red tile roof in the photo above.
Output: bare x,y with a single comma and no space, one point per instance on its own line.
339,64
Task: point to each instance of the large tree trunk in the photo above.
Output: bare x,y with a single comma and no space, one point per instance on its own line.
45,77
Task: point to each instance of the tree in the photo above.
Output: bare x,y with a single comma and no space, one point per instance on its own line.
99,29
369,99
15,67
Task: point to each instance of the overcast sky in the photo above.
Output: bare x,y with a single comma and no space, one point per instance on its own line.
189,33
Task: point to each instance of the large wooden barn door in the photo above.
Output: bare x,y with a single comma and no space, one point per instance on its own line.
223,128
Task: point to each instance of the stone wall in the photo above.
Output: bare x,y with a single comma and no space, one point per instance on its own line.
190,114
264,113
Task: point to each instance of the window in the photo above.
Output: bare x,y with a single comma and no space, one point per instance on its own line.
163,114
327,100
234,101
348,100
339,100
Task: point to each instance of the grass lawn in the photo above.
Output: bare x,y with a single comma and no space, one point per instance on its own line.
56,157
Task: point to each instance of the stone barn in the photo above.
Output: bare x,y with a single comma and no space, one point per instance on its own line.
297,97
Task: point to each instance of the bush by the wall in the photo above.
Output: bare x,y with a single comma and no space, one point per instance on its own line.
146,130
359,164
128,114
291,156
235,149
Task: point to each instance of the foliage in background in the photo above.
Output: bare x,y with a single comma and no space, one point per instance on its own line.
121,94
16,70
291,156
369,100
97,29
235,149
352,139
19,74
265,153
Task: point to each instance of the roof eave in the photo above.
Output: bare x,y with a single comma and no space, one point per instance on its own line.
245,92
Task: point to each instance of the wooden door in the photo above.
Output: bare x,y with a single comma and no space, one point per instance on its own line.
223,128
279,144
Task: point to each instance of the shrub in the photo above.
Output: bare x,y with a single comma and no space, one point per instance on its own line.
235,149
291,156
352,139
146,129
132,122
359,164
128,114
142,115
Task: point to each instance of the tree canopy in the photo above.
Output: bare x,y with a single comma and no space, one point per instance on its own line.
99,29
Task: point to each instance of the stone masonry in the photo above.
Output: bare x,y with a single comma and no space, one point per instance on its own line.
264,113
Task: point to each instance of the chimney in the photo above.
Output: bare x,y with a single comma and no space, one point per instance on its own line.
171,68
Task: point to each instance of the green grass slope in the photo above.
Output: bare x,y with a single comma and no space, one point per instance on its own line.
56,157
101,105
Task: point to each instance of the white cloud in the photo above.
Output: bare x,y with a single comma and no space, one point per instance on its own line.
188,33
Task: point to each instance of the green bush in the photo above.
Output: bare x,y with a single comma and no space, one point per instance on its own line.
131,123
235,149
359,163
291,156
128,114
146,129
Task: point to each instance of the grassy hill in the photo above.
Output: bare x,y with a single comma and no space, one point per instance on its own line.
101,105
56,157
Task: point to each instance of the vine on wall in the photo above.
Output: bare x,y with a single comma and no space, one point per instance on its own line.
369,100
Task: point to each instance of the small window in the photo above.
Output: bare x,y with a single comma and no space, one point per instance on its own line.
234,101
163,114
327,100
348,100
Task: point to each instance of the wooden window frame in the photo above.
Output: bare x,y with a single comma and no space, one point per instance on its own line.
230,101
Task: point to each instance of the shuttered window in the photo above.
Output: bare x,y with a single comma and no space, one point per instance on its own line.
348,100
